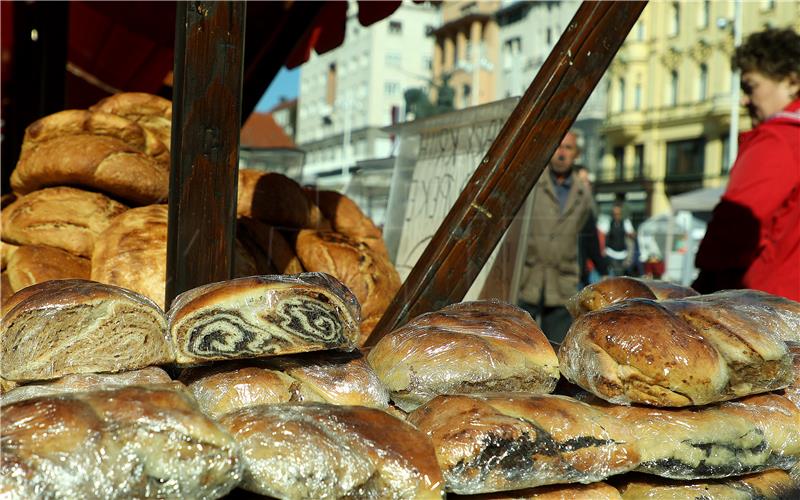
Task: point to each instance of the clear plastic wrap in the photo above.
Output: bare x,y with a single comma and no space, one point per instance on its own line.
616,289
751,434
318,451
336,378
263,316
62,327
133,442
87,382
500,442
678,352
465,348
769,485
593,491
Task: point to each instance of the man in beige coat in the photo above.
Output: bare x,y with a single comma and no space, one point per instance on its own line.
561,205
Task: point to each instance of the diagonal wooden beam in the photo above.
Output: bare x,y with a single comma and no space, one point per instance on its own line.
514,162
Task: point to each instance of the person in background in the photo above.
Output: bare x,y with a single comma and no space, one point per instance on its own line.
561,205
619,241
590,257
753,238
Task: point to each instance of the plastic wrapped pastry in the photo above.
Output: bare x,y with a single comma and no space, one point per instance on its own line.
340,378
126,443
317,450
751,434
593,491
770,485
76,326
793,391
86,382
465,348
613,290
678,352
505,442
262,316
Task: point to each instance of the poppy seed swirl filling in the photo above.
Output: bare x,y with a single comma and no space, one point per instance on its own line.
294,323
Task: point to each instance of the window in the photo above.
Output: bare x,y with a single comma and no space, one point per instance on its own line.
330,89
427,63
621,96
767,4
638,161
619,162
685,159
673,88
704,14
468,55
391,88
675,18
549,36
702,83
637,97
640,31
394,59
395,27
466,92
428,30
511,50
726,153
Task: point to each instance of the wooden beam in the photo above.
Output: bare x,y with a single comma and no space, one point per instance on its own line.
514,162
206,118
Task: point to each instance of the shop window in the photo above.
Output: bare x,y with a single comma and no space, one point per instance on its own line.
395,27
685,159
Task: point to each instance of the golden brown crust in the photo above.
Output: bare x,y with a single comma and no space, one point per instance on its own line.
270,243
511,441
672,353
132,252
61,217
6,251
372,278
150,111
277,200
465,348
6,291
307,451
32,264
103,163
347,218
613,290
61,327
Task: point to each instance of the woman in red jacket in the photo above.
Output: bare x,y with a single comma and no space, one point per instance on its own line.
753,239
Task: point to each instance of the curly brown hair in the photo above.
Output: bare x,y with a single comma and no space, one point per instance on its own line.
773,52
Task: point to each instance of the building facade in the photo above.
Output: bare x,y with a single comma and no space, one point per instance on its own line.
670,99
349,94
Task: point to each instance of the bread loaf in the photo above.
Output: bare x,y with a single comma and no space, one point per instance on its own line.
346,218
613,290
769,485
277,200
269,246
74,122
124,443
793,391
512,441
675,353
593,491
372,278
323,451
6,291
151,112
341,379
32,264
60,217
6,250
61,327
82,382
263,316
465,348
97,162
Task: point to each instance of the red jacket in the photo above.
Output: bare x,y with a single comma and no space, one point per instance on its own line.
753,240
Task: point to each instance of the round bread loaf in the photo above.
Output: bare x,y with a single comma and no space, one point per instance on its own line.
263,316
465,348
505,442
152,112
613,290
61,327
324,451
371,277
346,218
33,264
60,217
268,246
677,352
277,200
98,162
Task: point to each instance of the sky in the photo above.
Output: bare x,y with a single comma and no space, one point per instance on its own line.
285,84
